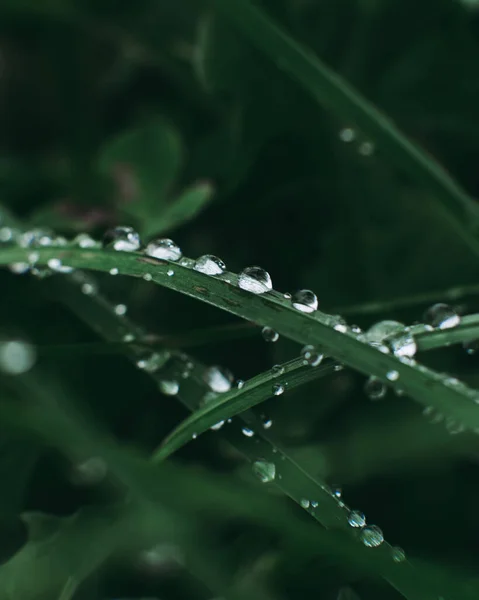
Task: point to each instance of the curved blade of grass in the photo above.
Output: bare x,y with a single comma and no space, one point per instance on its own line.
338,97
227,405
272,309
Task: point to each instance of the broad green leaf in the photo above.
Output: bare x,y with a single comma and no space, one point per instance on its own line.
144,162
180,210
227,405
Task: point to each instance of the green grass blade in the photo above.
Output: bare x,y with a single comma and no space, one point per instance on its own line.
227,405
338,97
272,309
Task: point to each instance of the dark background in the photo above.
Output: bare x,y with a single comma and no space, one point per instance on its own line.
97,95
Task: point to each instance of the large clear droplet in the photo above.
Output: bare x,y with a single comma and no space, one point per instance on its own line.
169,387
375,389
218,379
210,265
269,335
255,280
16,357
381,330
123,239
305,301
442,316
356,519
402,344
164,249
312,356
371,536
264,470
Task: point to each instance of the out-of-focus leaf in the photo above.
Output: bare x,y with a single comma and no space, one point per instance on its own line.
144,162
18,458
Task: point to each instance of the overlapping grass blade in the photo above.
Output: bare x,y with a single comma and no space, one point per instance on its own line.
337,96
273,310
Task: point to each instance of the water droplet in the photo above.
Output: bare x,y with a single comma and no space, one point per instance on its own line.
392,375
339,324
277,370
128,337
169,387
305,301
147,277
371,536
6,234
304,503
347,134
210,265
366,149
218,379
398,554
16,356
287,295
356,519
311,356
120,309
383,329
267,423
170,272
453,427
277,389
124,239
442,316
247,432
336,491
35,238
269,335
402,344
381,347
55,264
264,470
114,271
164,249
19,268
88,289
84,240
240,384
374,388
153,362
255,280
217,426
314,503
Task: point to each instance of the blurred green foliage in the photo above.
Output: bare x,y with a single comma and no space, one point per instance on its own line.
158,114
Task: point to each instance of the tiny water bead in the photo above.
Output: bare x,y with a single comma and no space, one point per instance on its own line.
402,344
153,362
164,249
314,504
269,335
371,536
210,265
264,470
16,356
398,554
147,276
305,301
347,134
218,379
88,289
442,316
278,389
311,356
356,519
304,503
240,384
392,375
383,329
255,280
170,272
55,264
120,310
471,347
336,491
267,423
169,387
374,388
366,149
84,240
277,370
123,239
246,431
35,238
114,271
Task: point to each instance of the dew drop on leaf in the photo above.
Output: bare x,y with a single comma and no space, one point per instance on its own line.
398,554
304,503
169,387
392,375
120,309
269,335
164,249
246,431
55,264
383,329
347,134
210,265
255,280
277,370
114,271
170,272
218,379
305,301
356,519
374,388
311,356
267,423
84,240
147,277
240,384
371,536
277,389
264,470
124,239
314,504
16,356
442,316
402,344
